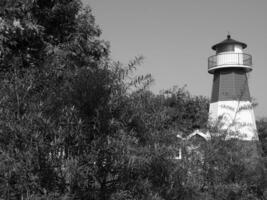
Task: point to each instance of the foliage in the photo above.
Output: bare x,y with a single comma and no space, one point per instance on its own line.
76,125
262,131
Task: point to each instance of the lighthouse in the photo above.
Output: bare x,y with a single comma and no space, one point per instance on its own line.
231,109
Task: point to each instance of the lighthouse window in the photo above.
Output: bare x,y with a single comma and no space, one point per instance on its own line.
225,48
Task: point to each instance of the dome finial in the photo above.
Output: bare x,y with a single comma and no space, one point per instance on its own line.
228,35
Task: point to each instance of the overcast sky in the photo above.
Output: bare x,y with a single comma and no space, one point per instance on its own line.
175,37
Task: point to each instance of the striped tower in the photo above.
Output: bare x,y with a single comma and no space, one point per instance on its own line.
230,107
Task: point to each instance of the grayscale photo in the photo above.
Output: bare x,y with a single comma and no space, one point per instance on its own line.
133,100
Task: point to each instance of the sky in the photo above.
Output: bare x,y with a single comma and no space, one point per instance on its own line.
175,37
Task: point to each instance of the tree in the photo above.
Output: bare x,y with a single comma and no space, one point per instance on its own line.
40,68
76,125
262,131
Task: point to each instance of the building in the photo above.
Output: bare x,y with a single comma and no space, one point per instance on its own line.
231,109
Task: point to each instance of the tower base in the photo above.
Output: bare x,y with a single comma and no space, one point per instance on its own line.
235,117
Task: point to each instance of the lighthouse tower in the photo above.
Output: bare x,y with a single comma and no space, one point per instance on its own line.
230,107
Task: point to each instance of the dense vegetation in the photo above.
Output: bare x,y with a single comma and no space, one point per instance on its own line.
76,125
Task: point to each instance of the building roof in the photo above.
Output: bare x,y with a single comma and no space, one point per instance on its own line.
229,40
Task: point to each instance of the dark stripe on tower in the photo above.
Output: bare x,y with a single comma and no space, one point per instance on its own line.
230,84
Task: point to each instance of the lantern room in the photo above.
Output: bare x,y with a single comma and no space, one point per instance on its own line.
229,54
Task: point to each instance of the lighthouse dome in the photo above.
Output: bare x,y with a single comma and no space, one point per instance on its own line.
227,44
